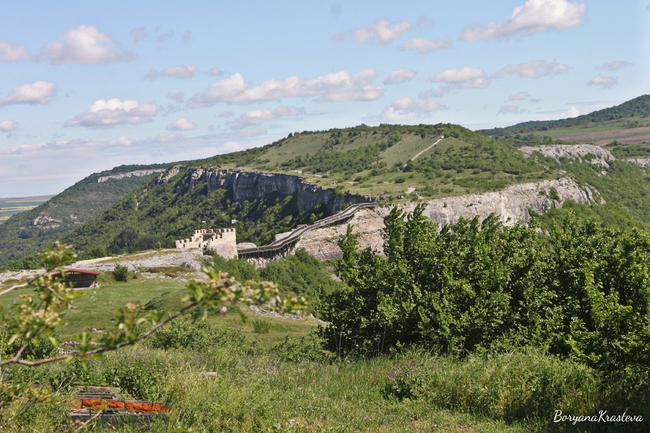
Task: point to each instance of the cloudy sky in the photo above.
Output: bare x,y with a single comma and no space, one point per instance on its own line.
88,85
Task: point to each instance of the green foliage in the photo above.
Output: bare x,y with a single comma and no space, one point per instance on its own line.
629,150
261,326
348,162
306,349
302,275
121,273
480,153
199,336
238,268
508,386
553,194
579,292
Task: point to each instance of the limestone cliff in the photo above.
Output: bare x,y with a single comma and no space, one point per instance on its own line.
587,152
511,204
251,185
135,173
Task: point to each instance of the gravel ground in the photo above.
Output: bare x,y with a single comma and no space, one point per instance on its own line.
191,259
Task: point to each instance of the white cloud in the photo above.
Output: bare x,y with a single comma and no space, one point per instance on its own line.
571,112
379,31
138,34
519,96
255,117
618,64
215,72
122,140
532,17
534,69
510,109
405,109
85,44
7,125
39,92
430,93
463,78
424,45
231,146
226,114
173,72
339,86
112,112
602,81
400,76
9,54
181,124
166,137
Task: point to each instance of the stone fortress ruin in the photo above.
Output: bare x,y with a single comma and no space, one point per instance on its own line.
222,241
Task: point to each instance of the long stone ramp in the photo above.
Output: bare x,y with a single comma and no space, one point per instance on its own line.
281,247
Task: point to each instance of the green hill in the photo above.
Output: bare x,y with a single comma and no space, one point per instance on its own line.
26,233
627,123
364,160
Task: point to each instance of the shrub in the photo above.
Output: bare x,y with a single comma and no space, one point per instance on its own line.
512,386
183,334
261,326
306,349
121,273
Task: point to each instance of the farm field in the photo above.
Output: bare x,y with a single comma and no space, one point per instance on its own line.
599,136
12,206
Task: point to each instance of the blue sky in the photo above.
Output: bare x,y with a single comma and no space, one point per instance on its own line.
91,85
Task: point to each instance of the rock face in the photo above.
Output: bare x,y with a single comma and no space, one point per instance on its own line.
579,151
251,185
643,162
165,176
323,243
136,173
44,222
511,204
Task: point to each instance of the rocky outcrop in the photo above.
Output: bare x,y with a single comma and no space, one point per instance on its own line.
643,162
252,185
582,152
136,173
45,222
511,204
165,176
322,243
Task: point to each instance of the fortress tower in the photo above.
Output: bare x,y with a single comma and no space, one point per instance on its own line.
223,241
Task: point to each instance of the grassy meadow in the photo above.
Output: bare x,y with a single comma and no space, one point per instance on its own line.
270,374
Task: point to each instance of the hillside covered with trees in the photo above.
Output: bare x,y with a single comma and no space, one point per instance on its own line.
28,232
